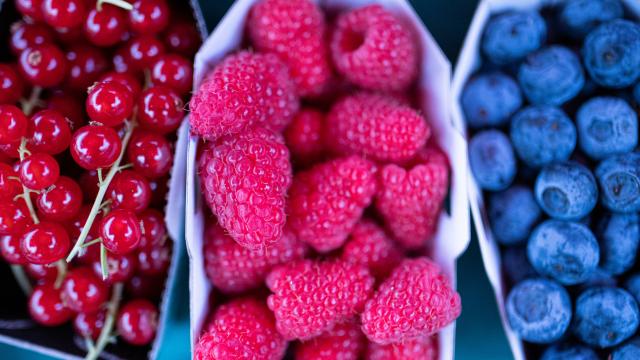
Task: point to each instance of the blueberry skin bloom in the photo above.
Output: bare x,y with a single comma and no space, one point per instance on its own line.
618,235
565,251
627,351
605,316
551,76
512,214
511,36
619,179
607,126
539,310
490,99
492,160
569,351
566,191
579,17
611,54
542,135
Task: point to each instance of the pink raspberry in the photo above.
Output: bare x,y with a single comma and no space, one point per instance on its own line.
310,297
326,201
304,136
369,245
420,348
415,301
376,126
235,269
243,91
241,329
374,50
244,179
295,31
343,342
410,201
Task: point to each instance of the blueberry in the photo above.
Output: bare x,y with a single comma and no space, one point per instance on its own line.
605,316
618,235
551,76
490,99
539,310
607,126
511,36
542,135
611,54
516,265
633,286
492,160
619,179
566,191
579,17
630,350
512,214
568,351
636,93
599,277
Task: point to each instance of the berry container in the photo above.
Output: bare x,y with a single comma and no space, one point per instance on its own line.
453,235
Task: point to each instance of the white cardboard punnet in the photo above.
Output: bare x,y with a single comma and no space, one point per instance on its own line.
434,97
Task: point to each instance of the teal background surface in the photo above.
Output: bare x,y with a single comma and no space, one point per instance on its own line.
479,332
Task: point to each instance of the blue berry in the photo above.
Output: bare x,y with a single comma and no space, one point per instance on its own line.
630,350
516,265
611,54
636,93
490,99
512,214
551,76
568,351
599,277
566,191
542,135
579,17
565,251
511,36
633,286
619,179
492,160
618,235
605,316
607,126
539,310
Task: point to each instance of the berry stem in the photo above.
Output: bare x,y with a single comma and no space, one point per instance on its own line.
22,279
105,333
22,150
118,3
103,262
32,101
62,273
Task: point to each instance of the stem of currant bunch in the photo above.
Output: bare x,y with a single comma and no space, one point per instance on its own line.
119,3
105,333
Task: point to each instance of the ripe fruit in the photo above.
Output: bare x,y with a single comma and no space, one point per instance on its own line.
14,217
62,202
160,109
89,324
370,246
49,132
10,249
109,103
149,16
424,349
26,34
13,122
154,260
304,136
63,13
39,171
43,65
45,243
130,191
11,85
120,231
345,341
173,71
154,231
120,268
46,307
105,27
85,64
82,291
95,147
137,322
141,52
150,153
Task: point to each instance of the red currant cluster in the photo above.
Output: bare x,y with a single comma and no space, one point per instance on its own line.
79,227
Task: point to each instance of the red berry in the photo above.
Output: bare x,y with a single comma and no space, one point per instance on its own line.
30,8
154,260
130,191
150,153
69,36
109,103
149,287
183,38
45,243
11,85
95,147
149,16
159,188
119,267
173,71
143,51
89,183
137,322
25,35
89,325
43,65
423,349
304,136
10,187
126,79
83,291
370,246
160,109
86,63
62,202
46,306
49,132
345,341
68,106
10,249
10,150
41,273
63,13
105,27
154,231
14,217
120,231
39,171
13,123
122,61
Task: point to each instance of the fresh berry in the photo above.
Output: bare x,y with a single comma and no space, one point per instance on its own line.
109,103
160,109
45,243
173,71
137,322
566,191
62,202
64,13
423,349
13,123
182,37
66,104
512,214
85,64
140,53
49,132
154,260
11,85
10,250
618,235
129,191
126,79
43,65
123,62
149,16
569,351
632,285
39,171
578,17
83,291
10,185
105,26
25,35
95,147
46,307
41,273
492,160
14,217
345,342
120,268
489,99
511,36
370,246
31,9
150,153
619,180
304,136
150,287
120,231
627,351
89,325
153,229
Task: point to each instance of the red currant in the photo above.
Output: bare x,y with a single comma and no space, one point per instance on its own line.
120,231
10,186
122,61
89,183
86,64
149,16
126,79
83,291
62,202
130,191
173,71
10,150
183,38
143,51
150,153
137,322
13,124
154,231
14,217
24,35
109,103
46,306
43,65
67,105
11,85
63,13
154,260
49,132
39,171
149,287
45,243
89,325
105,27
160,109
95,147
69,36
10,249
120,268
159,188
41,273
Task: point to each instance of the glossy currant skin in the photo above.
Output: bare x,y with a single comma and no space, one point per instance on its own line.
41,273
10,249
149,16
154,260
10,150
160,109
43,65
86,64
174,71
30,8
143,51
39,171
109,103
125,79
120,268
89,324
49,132
129,191
182,38
122,62
82,291
45,243
62,202
11,85
154,231
24,35
137,322
95,147
13,123
10,187
105,27
150,153
68,106
120,231
14,217
63,13
46,306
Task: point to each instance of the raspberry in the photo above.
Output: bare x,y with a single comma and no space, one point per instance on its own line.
310,297
415,301
241,329
326,201
344,342
369,245
244,90
376,126
293,30
410,200
244,180
423,349
304,136
235,269
374,50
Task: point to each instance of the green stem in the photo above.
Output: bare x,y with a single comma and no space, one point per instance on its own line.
22,150
29,104
119,3
105,333
104,265
22,279
62,273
